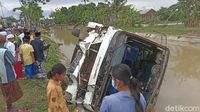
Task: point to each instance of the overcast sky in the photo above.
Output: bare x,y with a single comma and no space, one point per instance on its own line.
8,5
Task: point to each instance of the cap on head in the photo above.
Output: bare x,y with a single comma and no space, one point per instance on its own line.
10,36
3,33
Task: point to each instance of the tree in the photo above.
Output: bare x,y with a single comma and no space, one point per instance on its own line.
31,12
85,1
59,17
103,10
1,22
116,6
117,3
10,20
107,13
163,13
189,10
23,2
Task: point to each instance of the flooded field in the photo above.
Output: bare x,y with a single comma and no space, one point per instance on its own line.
181,85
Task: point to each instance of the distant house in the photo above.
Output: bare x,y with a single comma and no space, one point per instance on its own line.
148,16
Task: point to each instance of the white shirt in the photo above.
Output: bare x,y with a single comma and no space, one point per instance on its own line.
11,47
21,36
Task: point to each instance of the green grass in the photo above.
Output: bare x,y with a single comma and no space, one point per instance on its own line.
35,90
170,30
52,53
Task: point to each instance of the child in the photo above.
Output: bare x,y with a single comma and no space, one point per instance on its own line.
28,59
56,101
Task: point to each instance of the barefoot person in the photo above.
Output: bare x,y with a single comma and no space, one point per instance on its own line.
10,88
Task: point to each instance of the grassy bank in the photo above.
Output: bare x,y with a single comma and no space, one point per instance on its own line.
170,30
35,90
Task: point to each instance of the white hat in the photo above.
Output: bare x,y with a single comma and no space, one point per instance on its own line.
10,36
3,33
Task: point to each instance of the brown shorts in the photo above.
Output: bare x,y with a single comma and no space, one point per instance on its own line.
11,91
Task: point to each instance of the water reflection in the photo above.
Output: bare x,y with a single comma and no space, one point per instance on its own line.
181,85
185,62
64,37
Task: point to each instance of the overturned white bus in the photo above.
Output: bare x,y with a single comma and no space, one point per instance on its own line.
104,47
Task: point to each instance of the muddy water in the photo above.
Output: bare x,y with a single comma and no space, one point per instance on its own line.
181,85
67,42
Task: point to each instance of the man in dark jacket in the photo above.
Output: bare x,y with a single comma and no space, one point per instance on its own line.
39,48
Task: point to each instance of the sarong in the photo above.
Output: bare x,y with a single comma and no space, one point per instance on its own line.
18,70
11,91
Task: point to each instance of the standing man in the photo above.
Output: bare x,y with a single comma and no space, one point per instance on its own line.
10,88
10,44
39,48
14,49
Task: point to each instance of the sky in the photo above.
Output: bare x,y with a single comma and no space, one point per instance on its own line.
8,5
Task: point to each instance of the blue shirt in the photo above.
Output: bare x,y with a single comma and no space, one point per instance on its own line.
120,102
7,72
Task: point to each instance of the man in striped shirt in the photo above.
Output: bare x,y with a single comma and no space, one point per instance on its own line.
9,86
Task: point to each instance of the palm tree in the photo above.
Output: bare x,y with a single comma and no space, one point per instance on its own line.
116,6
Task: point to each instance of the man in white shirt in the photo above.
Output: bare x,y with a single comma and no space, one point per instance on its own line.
10,44
21,36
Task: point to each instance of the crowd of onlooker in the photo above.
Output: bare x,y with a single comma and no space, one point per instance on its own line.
27,47
21,57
